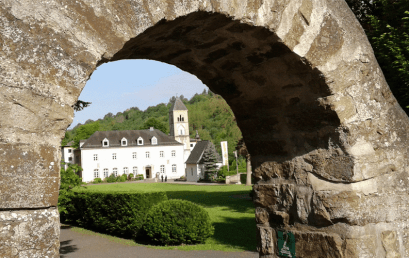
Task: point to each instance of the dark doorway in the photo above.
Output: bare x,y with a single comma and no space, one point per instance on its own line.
148,172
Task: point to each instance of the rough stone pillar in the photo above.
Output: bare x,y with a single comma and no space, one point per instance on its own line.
328,140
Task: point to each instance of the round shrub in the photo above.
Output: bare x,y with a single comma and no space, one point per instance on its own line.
97,180
174,222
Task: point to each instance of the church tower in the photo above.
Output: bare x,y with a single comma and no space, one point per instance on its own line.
179,125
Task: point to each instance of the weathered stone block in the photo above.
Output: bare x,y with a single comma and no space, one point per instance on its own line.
30,233
266,239
390,243
29,176
314,244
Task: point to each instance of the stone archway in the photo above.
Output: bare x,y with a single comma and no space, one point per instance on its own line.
327,138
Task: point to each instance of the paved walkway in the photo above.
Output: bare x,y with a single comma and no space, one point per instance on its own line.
78,245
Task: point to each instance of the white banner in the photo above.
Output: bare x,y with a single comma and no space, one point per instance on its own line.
225,154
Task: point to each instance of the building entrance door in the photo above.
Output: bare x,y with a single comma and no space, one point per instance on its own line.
148,173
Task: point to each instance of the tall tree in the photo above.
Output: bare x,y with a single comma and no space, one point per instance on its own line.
209,160
69,180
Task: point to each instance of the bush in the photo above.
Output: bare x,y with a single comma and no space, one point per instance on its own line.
123,178
120,214
130,176
223,172
139,177
111,178
175,222
97,180
243,179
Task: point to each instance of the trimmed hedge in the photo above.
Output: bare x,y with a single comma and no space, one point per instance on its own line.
174,222
115,213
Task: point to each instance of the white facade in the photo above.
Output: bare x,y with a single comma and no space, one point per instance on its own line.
145,160
194,172
67,155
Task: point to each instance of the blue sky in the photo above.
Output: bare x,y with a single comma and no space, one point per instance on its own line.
117,86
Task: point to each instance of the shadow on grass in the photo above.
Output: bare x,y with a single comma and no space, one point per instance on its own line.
66,248
237,232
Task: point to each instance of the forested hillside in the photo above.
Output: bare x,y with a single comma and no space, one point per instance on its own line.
208,113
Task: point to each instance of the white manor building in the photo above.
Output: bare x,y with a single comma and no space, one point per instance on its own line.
147,152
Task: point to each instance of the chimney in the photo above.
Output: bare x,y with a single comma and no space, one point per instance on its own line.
151,129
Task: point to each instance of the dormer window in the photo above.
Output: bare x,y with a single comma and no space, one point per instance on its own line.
124,142
139,141
105,143
154,140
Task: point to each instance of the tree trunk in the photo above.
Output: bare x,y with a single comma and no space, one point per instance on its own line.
248,180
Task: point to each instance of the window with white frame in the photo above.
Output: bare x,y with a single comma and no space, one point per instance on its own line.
124,142
135,170
115,171
106,172
173,153
162,168
105,143
69,150
154,140
113,155
134,155
147,154
95,157
139,141
96,173
126,170
174,168
161,154
69,158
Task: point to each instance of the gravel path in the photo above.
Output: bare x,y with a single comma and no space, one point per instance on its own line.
78,245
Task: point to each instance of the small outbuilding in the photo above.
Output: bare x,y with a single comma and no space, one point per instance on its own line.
195,165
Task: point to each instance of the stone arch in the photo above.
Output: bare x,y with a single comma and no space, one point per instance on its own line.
327,138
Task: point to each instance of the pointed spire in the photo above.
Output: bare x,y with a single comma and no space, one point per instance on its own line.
178,105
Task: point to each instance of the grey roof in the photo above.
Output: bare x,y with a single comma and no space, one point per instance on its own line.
115,137
178,105
197,153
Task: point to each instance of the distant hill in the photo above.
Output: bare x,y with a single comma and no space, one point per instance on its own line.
208,113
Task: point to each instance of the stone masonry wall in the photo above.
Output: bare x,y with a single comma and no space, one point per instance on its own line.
327,138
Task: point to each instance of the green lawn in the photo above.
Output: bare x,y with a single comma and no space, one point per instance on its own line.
232,215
